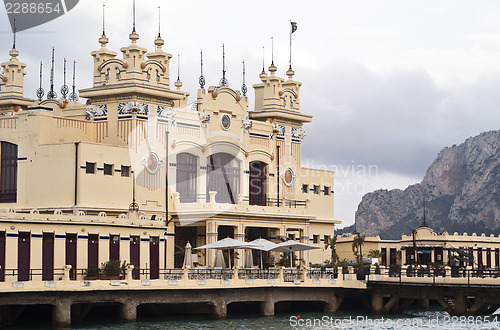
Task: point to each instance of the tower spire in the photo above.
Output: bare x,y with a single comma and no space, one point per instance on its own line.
103,22
15,30
64,88
272,67
73,96
159,21
263,60
133,17
52,94
223,81
40,92
202,79
244,86
178,83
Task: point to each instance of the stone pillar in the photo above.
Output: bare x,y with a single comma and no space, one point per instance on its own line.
280,275
219,310
340,277
61,313
211,236
267,306
128,277
377,302
384,273
423,303
128,312
460,304
331,305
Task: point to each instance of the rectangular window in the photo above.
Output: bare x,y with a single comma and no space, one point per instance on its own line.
327,239
90,168
315,239
305,188
316,189
291,237
108,169
327,191
125,171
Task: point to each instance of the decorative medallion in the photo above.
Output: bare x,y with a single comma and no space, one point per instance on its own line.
152,163
225,121
288,176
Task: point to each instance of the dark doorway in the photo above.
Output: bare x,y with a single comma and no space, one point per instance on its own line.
383,252
257,189
8,172
438,255
48,257
488,257
114,247
2,256
135,252
93,251
154,257
479,257
393,257
23,256
71,254
182,236
497,258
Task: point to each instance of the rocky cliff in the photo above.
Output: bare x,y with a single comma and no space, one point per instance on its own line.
461,190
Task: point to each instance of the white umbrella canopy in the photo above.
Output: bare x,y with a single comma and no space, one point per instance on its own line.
225,244
219,259
292,246
262,244
188,258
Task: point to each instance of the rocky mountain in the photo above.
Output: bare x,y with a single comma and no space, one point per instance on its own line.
461,190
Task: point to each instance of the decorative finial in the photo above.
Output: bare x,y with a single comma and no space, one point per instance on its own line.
103,26
159,21
64,88
178,83
223,81
202,79
15,30
263,60
293,28
272,67
52,94
244,86
133,17
40,92
73,96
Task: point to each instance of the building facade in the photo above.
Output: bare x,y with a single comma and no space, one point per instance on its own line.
137,171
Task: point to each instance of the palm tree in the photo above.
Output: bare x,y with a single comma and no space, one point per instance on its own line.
357,244
331,244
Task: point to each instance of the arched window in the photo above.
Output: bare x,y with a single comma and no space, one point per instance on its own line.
257,188
186,177
223,176
8,172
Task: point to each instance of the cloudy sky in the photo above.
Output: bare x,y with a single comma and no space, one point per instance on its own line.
389,83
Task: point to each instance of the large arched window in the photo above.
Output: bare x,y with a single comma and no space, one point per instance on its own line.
257,188
8,172
186,177
223,176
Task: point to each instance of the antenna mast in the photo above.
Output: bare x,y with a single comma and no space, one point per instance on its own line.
64,88
73,96
40,92
244,86
202,79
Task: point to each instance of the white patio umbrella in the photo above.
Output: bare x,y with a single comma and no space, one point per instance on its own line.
262,245
226,244
219,259
292,246
248,258
188,258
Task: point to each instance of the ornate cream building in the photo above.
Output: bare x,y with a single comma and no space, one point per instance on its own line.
138,170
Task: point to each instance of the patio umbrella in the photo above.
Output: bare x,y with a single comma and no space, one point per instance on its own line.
248,259
226,244
292,246
188,258
262,245
219,259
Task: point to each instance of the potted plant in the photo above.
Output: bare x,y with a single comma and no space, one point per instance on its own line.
113,270
92,273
